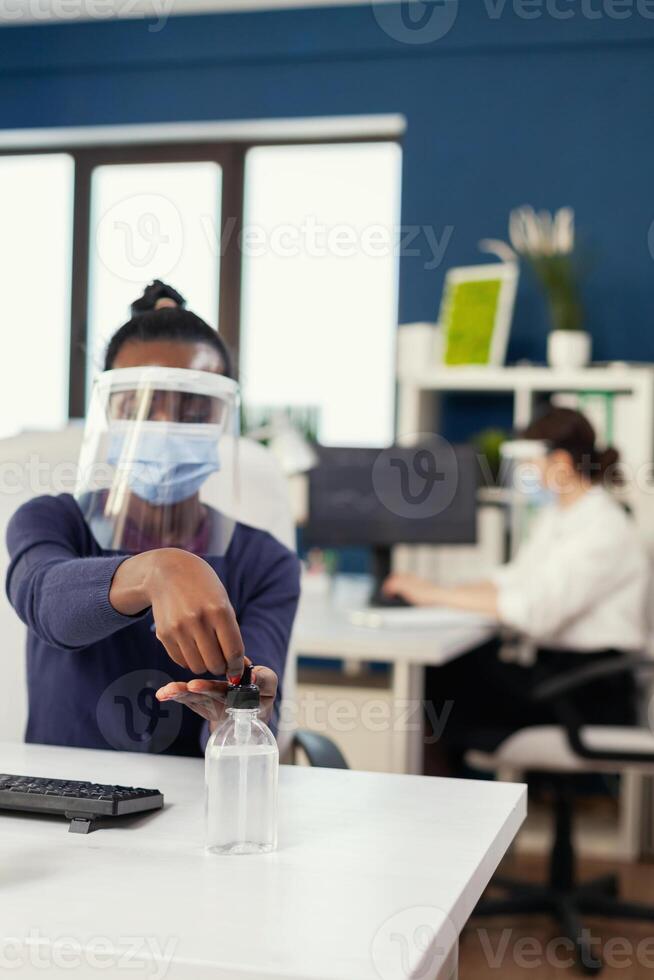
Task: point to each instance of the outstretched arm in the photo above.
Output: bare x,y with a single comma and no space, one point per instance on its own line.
72,601
479,597
59,594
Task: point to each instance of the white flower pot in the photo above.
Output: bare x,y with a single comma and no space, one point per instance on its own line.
569,348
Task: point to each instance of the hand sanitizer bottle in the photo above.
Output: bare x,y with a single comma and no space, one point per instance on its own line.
241,767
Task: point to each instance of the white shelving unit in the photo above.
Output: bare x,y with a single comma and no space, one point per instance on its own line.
631,391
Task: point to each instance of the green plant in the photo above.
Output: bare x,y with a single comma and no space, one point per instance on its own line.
546,243
488,444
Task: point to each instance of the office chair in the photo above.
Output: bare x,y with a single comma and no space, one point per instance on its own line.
563,751
318,750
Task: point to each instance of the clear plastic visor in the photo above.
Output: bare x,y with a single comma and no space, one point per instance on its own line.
159,460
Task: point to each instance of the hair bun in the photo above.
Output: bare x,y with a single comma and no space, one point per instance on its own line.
608,462
155,291
608,458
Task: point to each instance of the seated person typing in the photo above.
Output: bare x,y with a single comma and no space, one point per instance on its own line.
138,594
577,590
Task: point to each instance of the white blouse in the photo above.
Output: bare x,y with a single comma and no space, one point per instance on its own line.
582,580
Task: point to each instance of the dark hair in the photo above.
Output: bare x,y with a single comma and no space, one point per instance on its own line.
566,429
168,323
152,293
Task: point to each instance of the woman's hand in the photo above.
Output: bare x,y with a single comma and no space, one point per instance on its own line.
478,597
418,591
192,613
207,698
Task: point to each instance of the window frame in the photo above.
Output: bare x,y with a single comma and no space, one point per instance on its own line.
230,155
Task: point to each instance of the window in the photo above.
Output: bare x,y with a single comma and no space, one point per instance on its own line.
289,248
36,204
151,221
320,284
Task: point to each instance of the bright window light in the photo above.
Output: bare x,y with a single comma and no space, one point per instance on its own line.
151,221
36,204
319,302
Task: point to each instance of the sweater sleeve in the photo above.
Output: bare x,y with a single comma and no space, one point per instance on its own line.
266,619
62,596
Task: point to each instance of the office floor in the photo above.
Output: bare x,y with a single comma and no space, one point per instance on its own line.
491,948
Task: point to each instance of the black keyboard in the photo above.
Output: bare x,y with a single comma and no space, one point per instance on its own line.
81,803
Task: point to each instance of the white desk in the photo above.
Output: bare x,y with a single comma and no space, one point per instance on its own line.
323,630
364,861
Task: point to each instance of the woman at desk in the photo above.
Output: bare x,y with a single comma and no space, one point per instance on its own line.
577,590
136,592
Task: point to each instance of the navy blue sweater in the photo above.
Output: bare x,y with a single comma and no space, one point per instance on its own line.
92,672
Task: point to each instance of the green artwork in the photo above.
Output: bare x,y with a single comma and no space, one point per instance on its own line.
470,309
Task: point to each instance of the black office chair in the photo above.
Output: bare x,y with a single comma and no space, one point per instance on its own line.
562,751
319,750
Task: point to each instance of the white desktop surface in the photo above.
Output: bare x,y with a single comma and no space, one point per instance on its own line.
362,858
324,628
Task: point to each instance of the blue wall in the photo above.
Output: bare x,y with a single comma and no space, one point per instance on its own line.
501,111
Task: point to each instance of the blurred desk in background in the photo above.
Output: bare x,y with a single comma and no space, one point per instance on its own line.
324,630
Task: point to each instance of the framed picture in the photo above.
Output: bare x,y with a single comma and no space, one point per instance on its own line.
476,312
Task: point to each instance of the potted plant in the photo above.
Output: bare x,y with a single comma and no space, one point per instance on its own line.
546,243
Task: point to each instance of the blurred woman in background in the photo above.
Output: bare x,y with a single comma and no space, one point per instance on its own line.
577,590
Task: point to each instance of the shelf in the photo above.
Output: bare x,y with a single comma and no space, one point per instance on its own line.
619,378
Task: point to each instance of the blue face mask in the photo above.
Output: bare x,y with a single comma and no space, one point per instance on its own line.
534,491
167,462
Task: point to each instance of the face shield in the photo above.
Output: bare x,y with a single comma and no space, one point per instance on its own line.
159,461
521,470
521,478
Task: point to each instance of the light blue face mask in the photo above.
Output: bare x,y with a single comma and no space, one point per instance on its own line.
165,462
534,491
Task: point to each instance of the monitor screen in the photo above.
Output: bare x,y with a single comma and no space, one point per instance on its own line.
423,494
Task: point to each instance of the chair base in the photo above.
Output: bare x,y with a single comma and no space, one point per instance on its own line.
597,897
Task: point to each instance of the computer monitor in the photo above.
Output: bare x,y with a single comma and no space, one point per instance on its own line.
420,494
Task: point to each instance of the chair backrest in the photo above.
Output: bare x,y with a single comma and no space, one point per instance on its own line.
45,462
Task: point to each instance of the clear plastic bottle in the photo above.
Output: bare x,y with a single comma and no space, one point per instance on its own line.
241,768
